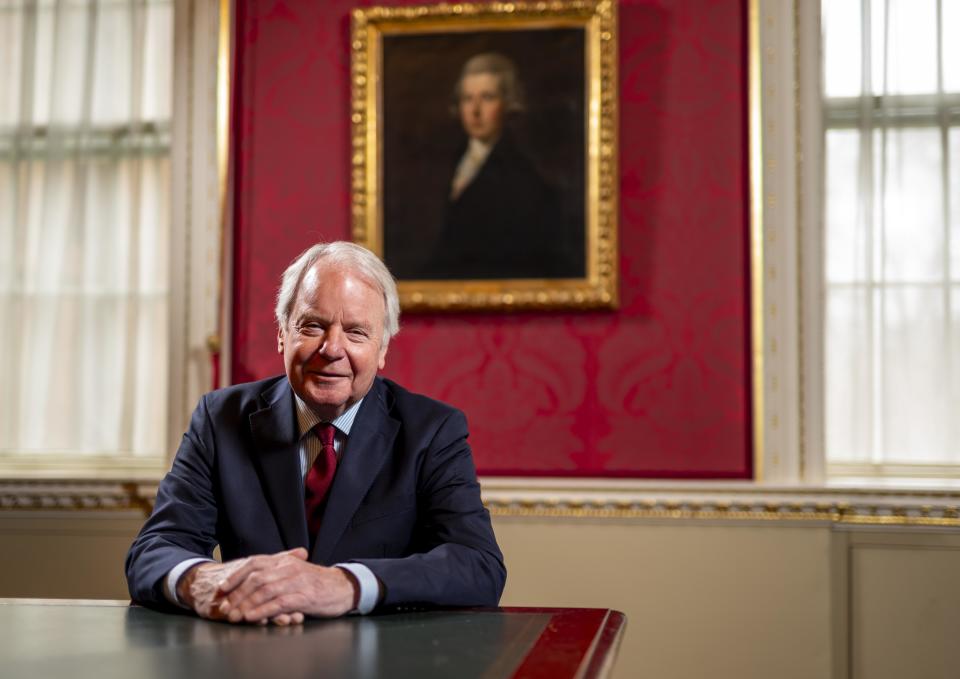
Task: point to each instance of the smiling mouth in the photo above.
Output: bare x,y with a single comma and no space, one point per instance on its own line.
328,376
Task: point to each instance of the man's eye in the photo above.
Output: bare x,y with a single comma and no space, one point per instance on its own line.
310,328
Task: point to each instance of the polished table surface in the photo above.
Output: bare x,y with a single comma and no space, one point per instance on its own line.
103,639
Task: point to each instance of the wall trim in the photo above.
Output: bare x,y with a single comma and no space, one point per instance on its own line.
583,498
77,496
615,499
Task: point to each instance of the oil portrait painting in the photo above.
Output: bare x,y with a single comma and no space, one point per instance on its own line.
477,142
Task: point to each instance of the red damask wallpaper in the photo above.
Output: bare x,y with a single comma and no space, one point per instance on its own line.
658,388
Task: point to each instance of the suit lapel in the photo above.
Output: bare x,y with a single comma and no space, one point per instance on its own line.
370,442
277,434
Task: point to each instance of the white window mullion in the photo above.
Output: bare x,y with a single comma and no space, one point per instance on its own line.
943,115
871,176
877,276
86,426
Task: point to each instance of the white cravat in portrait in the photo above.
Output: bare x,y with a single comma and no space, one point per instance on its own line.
469,166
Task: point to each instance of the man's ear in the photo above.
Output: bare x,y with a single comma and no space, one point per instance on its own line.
383,358
279,340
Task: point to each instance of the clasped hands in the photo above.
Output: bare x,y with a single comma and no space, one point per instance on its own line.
278,588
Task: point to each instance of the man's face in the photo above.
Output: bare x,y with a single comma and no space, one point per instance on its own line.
332,343
481,106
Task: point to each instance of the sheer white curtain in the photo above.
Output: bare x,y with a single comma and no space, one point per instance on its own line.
892,233
85,108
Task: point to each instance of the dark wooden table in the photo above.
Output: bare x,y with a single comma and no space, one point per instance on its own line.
103,639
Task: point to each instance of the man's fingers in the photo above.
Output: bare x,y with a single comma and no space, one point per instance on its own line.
260,588
267,593
266,571
235,576
253,564
269,610
223,608
256,588
290,588
282,588
212,610
297,553
287,619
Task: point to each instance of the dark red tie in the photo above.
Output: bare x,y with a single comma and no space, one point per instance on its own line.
320,477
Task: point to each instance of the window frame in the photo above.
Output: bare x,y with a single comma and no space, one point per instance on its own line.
198,160
794,123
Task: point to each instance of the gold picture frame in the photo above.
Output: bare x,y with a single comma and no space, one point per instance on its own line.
544,235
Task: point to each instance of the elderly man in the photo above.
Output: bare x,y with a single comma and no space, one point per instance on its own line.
329,489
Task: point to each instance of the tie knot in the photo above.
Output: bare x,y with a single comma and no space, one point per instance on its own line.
324,432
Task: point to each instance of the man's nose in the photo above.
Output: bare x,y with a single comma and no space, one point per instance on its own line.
332,346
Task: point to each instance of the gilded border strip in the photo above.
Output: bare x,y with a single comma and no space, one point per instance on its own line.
223,96
835,513
757,335
77,496
934,508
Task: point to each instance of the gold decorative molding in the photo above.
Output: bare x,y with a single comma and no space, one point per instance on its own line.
77,496
224,91
776,511
633,500
756,239
583,499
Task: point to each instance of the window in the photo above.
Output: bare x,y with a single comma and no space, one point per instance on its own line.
891,236
100,230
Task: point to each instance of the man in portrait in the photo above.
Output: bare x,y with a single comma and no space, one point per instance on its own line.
501,218
328,489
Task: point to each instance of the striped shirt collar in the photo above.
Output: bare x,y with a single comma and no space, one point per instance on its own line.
307,419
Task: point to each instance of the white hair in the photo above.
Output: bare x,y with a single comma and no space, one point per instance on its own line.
508,82
359,260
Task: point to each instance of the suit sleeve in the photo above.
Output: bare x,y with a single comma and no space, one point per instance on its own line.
183,523
456,560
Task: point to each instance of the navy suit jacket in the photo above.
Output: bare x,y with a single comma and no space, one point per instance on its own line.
405,500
